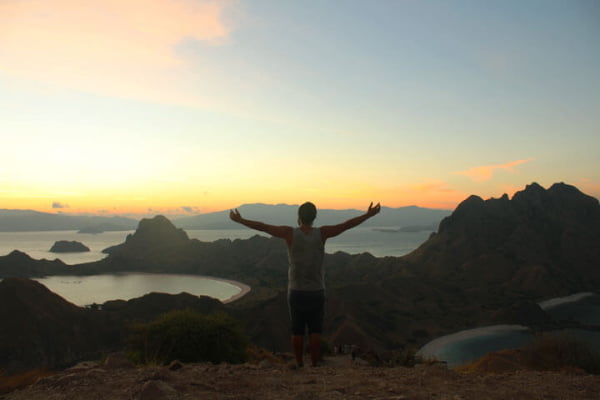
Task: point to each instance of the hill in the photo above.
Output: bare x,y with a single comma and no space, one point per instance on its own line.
42,330
541,243
491,262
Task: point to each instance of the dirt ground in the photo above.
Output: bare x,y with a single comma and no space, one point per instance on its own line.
338,378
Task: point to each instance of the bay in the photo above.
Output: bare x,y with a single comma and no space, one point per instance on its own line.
86,290
357,240
469,345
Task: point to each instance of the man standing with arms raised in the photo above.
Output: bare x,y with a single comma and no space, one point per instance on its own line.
306,283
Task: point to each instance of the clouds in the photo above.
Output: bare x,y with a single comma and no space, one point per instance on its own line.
486,172
120,48
190,209
59,205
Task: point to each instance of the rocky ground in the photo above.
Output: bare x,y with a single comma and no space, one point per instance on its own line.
338,378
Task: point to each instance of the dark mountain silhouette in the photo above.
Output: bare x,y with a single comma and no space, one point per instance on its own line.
41,329
541,243
19,265
283,214
29,220
491,262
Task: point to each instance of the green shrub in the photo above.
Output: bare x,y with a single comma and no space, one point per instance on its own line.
188,337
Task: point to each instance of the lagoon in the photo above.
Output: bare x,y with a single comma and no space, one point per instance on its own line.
86,290
469,345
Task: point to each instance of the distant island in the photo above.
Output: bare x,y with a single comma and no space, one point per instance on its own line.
66,246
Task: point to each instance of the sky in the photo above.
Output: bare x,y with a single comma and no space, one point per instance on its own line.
139,107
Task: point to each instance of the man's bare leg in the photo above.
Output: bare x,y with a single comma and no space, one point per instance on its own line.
298,346
315,348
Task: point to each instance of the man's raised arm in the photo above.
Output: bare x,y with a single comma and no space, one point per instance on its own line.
283,232
329,231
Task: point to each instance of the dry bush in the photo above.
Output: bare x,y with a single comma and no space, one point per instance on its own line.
560,351
8,383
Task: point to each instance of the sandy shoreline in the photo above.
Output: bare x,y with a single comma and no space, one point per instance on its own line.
245,289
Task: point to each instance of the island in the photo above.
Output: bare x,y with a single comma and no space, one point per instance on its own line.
66,246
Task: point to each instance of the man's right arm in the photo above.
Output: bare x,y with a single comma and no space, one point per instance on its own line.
329,231
283,232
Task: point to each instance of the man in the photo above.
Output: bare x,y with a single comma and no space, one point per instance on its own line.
306,285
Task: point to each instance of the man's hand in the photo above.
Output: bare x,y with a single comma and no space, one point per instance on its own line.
373,210
235,216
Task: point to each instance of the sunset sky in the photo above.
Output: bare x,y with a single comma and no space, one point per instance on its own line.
136,107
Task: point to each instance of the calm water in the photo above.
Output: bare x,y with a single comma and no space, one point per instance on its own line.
469,345
100,288
84,290
358,240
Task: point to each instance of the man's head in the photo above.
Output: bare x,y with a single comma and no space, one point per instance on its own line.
307,213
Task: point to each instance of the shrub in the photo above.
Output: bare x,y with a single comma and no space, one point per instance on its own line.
8,383
557,351
189,337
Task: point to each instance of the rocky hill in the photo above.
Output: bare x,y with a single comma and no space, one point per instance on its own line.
42,330
38,325
490,262
541,243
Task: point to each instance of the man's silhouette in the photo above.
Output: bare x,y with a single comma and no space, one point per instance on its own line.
306,285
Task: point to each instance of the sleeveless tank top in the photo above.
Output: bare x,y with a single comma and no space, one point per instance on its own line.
305,257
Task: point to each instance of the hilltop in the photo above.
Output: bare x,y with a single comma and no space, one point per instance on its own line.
270,381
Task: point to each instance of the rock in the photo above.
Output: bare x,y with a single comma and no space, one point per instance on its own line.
83,366
65,246
175,365
265,364
117,360
157,390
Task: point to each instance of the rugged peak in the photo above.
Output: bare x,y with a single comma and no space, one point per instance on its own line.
562,191
469,203
158,230
152,233
159,223
532,193
17,255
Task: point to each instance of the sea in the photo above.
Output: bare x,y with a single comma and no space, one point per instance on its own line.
100,288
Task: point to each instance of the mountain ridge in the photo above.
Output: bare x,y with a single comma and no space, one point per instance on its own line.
490,262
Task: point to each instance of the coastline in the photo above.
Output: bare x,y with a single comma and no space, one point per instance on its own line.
244,289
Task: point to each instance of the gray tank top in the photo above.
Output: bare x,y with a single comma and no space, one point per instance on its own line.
306,261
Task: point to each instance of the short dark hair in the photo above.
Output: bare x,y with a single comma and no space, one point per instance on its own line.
307,213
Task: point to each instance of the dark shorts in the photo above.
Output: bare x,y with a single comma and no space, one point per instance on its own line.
307,309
